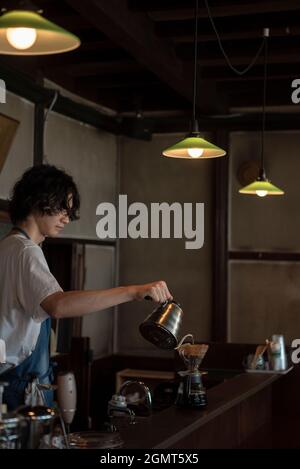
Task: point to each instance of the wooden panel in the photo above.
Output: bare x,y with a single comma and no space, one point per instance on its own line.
8,128
264,300
81,365
254,413
220,433
219,313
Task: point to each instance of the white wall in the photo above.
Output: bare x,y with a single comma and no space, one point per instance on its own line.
100,274
20,156
90,156
269,223
264,297
148,177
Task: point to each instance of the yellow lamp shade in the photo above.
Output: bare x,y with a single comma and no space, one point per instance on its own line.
261,188
193,148
28,33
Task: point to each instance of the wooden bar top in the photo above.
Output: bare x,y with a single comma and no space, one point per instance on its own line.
168,427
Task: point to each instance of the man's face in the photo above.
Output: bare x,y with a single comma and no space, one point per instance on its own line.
52,225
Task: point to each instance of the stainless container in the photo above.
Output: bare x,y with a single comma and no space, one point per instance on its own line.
39,420
95,440
162,326
10,431
277,354
138,397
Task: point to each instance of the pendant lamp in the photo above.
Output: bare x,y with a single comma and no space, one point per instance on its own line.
26,32
193,146
262,186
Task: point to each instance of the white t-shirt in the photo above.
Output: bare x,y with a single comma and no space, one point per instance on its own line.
25,281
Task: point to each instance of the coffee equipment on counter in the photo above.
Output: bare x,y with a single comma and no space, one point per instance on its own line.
10,431
270,356
95,440
30,426
276,353
110,437
10,425
39,425
162,326
191,392
138,397
67,396
117,408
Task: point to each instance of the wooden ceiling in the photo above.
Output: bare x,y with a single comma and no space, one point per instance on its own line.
137,55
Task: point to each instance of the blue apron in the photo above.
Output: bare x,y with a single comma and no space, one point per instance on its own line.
37,365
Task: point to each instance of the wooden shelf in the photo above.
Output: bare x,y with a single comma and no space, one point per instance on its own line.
149,377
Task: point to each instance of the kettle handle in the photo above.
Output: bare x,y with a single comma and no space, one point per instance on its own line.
149,298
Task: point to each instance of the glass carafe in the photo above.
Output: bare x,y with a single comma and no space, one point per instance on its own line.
191,392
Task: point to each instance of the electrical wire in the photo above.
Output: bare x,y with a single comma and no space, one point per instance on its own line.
235,70
195,61
52,104
264,101
56,94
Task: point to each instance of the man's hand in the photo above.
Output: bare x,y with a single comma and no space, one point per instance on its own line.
158,291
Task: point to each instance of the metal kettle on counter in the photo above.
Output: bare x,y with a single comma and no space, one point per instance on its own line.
162,326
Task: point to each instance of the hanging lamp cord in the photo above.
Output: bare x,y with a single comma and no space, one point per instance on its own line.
195,62
266,35
235,70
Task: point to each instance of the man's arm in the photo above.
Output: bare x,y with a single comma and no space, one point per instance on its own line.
79,303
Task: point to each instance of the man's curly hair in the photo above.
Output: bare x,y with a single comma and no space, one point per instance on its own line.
43,189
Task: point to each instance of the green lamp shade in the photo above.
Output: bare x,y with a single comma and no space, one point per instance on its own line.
194,148
261,188
38,36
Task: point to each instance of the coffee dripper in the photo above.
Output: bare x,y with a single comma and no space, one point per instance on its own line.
191,392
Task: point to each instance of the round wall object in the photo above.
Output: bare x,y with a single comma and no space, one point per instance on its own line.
248,172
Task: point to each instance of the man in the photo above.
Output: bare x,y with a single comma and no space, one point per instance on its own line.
44,200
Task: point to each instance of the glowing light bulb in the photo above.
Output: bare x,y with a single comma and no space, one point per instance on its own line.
261,193
195,152
21,38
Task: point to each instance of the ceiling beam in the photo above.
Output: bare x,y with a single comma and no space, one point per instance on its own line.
96,46
279,93
237,34
23,85
292,57
90,69
232,9
135,33
71,22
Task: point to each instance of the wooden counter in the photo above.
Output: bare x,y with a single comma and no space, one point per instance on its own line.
237,409
244,411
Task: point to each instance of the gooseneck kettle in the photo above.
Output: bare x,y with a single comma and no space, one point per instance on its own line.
162,326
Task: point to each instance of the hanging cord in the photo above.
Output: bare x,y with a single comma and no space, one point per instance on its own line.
266,35
55,97
56,94
235,70
195,61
